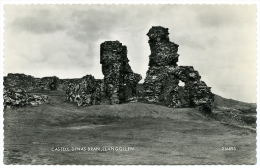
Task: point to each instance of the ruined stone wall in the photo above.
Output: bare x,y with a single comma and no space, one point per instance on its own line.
85,91
160,85
119,79
197,93
120,82
163,75
64,83
29,83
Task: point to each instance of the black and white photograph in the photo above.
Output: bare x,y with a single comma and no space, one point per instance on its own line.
129,84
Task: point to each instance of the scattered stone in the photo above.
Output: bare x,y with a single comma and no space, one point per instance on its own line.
14,98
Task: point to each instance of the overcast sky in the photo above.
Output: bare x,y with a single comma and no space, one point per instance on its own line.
64,40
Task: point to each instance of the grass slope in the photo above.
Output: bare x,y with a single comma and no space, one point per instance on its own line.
159,135
228,111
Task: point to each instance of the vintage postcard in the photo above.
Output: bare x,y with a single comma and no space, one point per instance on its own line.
165,84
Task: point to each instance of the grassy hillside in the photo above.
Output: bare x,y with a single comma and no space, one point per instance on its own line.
158,135
228,110
221,102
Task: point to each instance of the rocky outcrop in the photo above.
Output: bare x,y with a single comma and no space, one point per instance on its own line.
119,79
163,76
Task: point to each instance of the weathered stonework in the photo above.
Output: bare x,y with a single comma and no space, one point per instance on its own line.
29,83
119,79
85,91
163,75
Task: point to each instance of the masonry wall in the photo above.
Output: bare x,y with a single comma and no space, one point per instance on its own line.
119,79
163,76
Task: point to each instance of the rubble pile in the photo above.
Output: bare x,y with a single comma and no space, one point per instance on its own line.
163,75
119,80
85,91
14,98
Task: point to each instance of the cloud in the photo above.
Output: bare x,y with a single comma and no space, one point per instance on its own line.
93,24
40,22
225,15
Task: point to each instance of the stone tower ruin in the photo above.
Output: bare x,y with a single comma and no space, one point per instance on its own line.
163,75
119,79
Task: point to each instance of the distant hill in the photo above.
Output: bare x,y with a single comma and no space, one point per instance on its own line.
221,102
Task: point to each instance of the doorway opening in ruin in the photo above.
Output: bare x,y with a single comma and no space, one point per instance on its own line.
181,92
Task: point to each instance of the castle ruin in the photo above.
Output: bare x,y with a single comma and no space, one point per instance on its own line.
119,79
162,78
